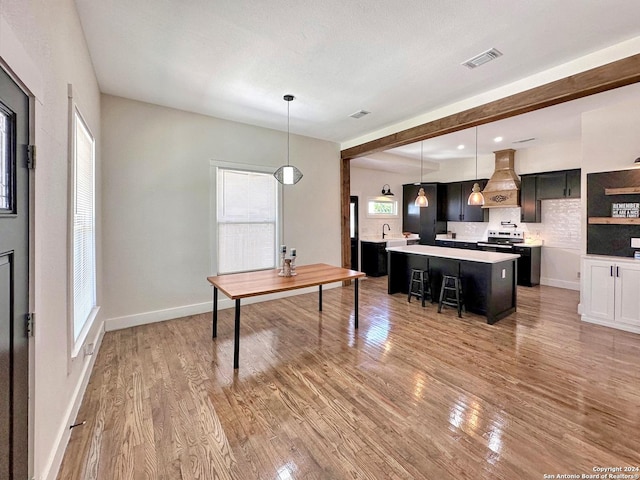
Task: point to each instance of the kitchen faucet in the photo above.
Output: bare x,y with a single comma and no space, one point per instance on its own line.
385,225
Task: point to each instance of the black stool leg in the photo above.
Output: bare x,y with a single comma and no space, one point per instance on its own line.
444,283
457,282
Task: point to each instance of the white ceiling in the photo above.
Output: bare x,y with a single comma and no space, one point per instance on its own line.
235,59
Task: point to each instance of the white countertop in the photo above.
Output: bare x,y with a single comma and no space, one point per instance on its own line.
608,258
455,253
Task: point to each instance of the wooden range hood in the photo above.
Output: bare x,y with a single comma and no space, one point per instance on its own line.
503,188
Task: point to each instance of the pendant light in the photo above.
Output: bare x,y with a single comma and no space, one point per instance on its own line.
421,199
476,197
288,174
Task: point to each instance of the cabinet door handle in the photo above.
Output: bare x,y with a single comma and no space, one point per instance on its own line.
611,271
564,192
569,193
617,271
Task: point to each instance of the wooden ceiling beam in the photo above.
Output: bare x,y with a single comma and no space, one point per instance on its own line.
600,79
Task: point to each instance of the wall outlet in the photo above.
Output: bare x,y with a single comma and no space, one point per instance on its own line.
89,349
635,243
578,274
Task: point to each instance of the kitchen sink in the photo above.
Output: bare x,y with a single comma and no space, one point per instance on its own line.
396,242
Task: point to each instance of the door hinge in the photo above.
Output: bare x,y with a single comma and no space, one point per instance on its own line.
30,324
31,157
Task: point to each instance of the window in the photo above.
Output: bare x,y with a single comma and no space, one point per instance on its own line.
6,160
83,228
382,207
246,217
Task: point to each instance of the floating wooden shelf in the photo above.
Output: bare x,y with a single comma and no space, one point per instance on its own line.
621,191
613,221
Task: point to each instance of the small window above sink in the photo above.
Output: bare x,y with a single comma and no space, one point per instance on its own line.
382,207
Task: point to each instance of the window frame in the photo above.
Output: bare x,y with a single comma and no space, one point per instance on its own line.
382,199
215,167
77,339
9,162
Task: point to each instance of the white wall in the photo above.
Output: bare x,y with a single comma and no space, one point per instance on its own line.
47,37
156,197
366,183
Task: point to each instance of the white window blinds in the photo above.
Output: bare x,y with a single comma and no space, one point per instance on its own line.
246,220
84,252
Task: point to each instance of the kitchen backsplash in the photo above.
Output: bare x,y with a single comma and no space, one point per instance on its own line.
372,227
560,226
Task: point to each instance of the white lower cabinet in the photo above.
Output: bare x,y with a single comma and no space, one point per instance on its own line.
611,292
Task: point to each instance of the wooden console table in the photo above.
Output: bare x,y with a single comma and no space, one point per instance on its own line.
237,286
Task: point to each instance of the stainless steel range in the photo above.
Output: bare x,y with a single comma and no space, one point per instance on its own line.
502,240
510,240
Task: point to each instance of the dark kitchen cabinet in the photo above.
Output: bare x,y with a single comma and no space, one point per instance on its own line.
573,183
433,219
457,209
373,256
410,213
530,206
528,265
562,184
457,244
428,221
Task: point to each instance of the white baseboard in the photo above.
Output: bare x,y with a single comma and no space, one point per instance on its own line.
144,318
616,325
52,466
552,282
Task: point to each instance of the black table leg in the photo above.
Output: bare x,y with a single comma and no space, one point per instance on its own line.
236,340
355,301
319,298
215,312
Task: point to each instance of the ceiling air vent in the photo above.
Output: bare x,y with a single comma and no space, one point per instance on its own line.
483,58
359,114
525,140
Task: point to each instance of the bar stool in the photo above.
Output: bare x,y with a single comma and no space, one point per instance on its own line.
451,293
419,285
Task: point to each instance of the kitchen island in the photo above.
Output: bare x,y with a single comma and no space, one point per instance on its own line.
488,278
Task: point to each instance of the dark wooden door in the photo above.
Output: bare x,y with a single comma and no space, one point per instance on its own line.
353,227
14,281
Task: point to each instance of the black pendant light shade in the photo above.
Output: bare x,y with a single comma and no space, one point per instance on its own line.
288,174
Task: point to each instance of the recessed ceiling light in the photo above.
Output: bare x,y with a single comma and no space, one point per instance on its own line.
497,139
460,147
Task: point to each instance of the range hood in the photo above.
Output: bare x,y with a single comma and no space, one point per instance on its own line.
503,187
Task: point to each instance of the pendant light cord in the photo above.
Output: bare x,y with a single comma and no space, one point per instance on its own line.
476,152
421,160
288,120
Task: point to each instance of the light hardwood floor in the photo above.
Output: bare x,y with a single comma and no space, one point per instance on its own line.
411,395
